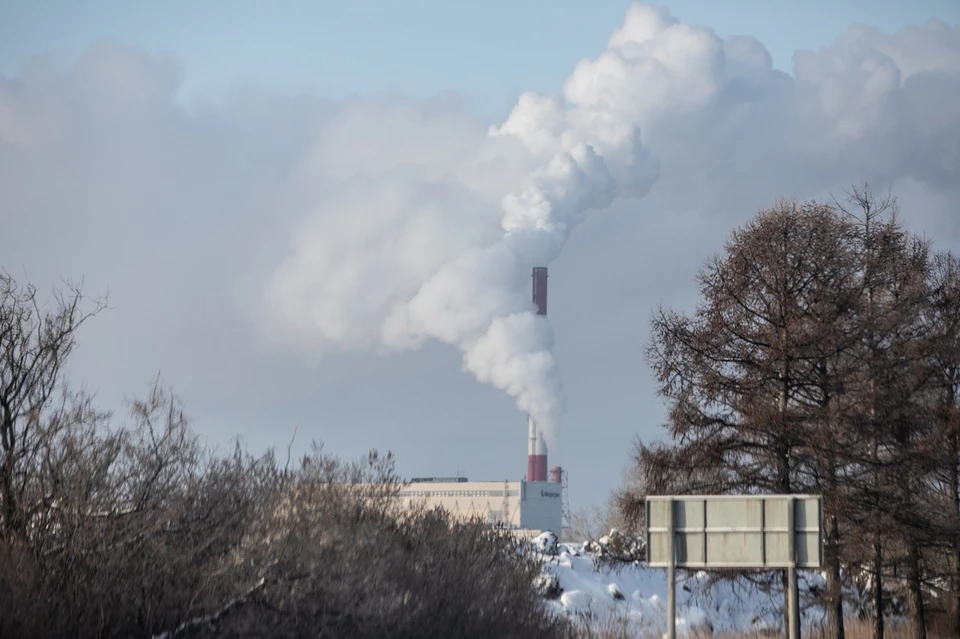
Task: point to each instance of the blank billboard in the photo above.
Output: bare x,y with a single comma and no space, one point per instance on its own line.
727,531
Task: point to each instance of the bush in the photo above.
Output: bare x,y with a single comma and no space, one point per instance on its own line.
195,545
140,531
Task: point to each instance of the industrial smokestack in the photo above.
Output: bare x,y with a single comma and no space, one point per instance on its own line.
536,453
540,289
537,448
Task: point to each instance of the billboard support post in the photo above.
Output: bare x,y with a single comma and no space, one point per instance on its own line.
719,532
793,607
671,575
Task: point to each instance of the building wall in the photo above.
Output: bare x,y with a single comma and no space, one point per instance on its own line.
541,507
514,504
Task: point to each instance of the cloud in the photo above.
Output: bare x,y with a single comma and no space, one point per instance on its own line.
263,224
704,105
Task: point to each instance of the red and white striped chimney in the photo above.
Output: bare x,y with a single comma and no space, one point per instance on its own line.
536,454
537,447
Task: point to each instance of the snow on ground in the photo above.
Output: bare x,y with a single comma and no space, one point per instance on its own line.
632,597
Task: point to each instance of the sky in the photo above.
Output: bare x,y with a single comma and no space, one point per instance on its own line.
490,51
316,220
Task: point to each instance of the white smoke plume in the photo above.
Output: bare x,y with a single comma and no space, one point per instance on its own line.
461,283
440,246
574,155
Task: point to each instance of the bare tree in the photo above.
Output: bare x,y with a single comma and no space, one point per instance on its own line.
887,419
34,344
808,365
749,378
944,335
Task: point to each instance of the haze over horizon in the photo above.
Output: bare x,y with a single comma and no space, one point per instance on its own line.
317,219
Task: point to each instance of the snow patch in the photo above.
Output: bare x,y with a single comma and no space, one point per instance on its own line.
576,602
545,543
588,583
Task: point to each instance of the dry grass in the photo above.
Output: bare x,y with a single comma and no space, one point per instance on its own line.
853,629
857,629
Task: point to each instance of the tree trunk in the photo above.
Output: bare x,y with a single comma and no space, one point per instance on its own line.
783,464
785,489
11,526
784,482
952,429
877,587
916,592
955,493
834,583
878,534
831,547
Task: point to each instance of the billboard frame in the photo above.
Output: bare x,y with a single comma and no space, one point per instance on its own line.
740,534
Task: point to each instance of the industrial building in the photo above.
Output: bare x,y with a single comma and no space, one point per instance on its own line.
520,504
536,503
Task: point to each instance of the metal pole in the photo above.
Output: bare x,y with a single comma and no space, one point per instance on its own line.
793,598
671,577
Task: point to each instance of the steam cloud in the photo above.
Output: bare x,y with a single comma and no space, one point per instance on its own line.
476,296
412,220
448,256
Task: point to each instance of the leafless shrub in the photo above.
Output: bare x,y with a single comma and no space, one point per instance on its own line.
139,530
